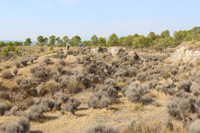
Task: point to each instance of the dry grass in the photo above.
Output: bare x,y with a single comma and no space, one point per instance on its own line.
197,66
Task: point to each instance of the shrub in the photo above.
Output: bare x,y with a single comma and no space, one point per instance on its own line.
24,122
40,88
73,86
47,60
59,68
31,60
51,48
18,80
4,95
194,127
14,110
195,89
5,52
99,99
184,85
135,92
196,77
172,108
101,129
7,75
141,77
153,84
113,94
72,105
51,86
17,64
3,108
109,81
62,62
13,128
6,66
24,62
15,71
184,106
168,88
48,102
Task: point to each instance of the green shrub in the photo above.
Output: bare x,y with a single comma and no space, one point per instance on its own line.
5,52
51,48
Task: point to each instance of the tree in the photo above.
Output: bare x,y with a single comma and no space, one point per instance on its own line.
179,36
140,42
87,43
152,36
52,40
94,40
102,41
28,42
163,43
128,41
75,41
113,40
59,42
41,41
16,43
2,44
165,34
65,40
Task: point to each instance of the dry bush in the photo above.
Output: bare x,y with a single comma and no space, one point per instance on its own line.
51,86
3,108
138,93
142,128
15,71
14,110
74,87
17,64
7,66
184,85
99,99
18,80
195,89
62,62
4,95
7,75
72,105
101,129
24,62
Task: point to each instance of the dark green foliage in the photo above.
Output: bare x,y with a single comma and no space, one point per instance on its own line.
4,52
112,40
27,42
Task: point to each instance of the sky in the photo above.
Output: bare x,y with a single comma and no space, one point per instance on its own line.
20,19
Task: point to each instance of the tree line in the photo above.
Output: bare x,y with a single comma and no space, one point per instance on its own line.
159,42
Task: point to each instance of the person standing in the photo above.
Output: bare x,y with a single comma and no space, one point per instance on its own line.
67,46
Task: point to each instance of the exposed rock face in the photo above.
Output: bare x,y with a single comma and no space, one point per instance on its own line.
114,51
133,55
184,54
96,50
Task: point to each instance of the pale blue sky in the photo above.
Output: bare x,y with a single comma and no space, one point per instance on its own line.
20,19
